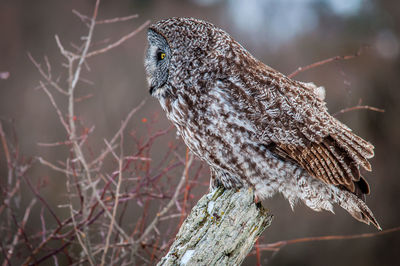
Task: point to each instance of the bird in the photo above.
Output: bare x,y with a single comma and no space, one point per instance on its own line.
255,127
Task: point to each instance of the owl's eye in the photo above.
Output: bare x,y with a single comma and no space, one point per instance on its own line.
160,56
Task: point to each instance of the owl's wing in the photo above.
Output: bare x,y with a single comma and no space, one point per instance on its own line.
297,123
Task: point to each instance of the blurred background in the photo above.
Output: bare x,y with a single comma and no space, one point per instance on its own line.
284,35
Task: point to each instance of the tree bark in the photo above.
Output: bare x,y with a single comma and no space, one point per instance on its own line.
220,230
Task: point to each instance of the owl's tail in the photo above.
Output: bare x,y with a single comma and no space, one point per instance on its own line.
321,196
356,207
359,151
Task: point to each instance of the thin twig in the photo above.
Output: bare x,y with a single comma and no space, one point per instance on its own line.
82,57
47,76
258,253
10,251
323,62
53,102
55,144
69,55
359,107
54,167
120,41
42,200
280,244
118,19
10,195
82,17
172,216
80,99
5,146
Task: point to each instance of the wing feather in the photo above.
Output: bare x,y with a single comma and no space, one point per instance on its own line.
306,133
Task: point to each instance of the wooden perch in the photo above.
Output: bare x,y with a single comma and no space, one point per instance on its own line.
220,230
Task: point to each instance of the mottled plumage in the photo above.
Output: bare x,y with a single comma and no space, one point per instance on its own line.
253,125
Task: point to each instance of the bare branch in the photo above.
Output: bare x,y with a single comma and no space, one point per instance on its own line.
5,146
14,243
52,166
53,102
118,19
47,76
85,19
42,200
280,244
323,62
120,41
80,99
55,144
359,107
74,77
69,55
85,49
10,195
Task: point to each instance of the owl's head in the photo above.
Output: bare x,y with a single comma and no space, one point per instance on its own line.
157,61
183,53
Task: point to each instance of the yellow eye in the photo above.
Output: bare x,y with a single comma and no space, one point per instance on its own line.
161,55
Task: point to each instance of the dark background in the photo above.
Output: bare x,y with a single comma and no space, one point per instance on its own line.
283,34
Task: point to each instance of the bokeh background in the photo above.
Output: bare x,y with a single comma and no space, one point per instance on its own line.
283,34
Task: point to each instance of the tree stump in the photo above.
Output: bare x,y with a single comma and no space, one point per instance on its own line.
220,230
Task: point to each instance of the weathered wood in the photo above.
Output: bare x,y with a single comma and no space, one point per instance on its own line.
220,230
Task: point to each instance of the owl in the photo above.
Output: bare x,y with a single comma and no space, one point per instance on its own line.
252,125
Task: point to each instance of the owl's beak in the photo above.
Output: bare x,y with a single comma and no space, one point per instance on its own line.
152,89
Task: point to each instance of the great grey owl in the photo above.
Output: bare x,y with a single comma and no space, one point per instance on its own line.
254,126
